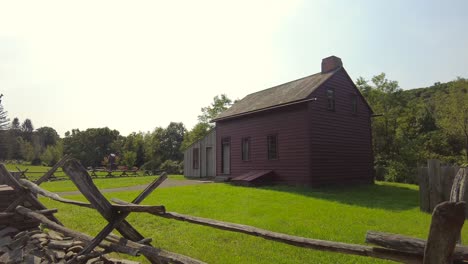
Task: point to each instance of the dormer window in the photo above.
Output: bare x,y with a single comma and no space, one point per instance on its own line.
331,99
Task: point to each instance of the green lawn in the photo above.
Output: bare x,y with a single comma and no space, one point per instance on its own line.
101,183
339,214
104,183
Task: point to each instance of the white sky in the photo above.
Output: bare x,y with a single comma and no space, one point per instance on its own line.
136,65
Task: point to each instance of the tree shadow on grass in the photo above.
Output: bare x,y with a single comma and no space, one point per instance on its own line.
381,196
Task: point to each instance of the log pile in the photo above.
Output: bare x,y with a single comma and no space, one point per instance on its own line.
41,247
8,195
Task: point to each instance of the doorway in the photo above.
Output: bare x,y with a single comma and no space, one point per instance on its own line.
209,162
226,155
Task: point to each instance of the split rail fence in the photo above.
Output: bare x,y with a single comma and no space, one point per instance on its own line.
441,246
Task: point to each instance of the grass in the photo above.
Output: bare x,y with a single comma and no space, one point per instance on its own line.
104,183
101,183
336,213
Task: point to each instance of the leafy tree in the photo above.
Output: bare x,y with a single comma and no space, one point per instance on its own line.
199,131
129,158
384,96
15,124
135,143
91,145
47,136
152,145
172,167
27,129
52,154
27,126
453,112
27,150
220,103
171,140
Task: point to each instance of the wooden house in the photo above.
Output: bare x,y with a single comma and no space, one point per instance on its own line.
200,157
312,131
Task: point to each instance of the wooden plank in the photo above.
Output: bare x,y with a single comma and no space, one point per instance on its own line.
121,216
48,174
459,187
408,244
435,184
447,221
458,191
38,190
154,209
123,208
424,203
83,181
113,242
323,245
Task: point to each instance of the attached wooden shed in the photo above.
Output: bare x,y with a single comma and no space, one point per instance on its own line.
200,157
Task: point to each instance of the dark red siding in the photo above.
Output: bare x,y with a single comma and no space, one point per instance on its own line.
289,124
315,146
340,141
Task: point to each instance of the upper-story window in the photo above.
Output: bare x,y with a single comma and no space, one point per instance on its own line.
272,141
331,99
354,104
246,149
196,156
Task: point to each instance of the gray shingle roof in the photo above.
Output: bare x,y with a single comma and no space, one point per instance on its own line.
290,92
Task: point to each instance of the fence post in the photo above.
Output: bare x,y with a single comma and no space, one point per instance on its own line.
424,204
435,184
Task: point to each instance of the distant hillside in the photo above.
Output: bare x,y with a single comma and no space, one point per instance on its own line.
426,93
417,124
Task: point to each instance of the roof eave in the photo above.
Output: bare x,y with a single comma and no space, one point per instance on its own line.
262,110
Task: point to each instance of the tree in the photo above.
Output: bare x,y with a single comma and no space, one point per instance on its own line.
27,130
220,103
3,116
27,126
384,96
171,140
15,124
52,154
135,143
453,112
129,158
199,131
90,146
47,136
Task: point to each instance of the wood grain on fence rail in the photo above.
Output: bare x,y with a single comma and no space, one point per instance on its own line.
447,221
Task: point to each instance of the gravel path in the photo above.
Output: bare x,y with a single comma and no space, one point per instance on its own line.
166,183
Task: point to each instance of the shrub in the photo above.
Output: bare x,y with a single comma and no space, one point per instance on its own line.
172,167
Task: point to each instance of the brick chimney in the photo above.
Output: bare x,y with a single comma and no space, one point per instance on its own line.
331,63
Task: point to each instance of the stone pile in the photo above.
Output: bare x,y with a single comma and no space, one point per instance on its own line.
35,246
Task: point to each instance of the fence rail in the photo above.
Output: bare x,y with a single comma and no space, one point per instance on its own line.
447,221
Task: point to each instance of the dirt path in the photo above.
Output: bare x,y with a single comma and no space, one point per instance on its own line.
165,184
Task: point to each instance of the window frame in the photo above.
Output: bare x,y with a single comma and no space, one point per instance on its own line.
196,162
269,149
245,154
331,99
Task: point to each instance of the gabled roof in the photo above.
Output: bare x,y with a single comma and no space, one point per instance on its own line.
281,95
